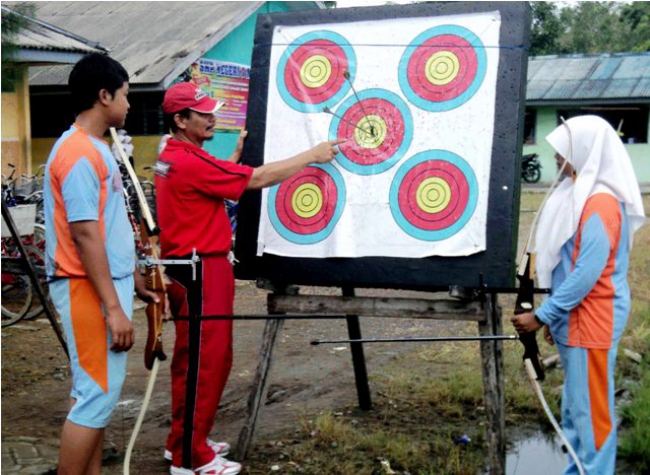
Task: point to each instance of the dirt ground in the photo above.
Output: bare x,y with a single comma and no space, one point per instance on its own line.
305,379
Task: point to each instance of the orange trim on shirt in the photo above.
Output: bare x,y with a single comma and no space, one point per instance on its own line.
591,323
74,148
90,333
598,395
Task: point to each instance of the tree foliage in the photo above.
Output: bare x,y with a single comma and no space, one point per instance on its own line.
12,22
590,27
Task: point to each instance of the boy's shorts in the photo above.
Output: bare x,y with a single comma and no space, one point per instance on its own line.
97,372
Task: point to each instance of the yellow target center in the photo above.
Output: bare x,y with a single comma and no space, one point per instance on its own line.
433,195
442,68
315,71
307,200
370,131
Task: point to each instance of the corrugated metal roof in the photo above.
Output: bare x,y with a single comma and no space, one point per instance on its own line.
624,76
39,35
154,41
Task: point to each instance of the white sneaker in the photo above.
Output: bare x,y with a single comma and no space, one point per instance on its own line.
219,448
219,466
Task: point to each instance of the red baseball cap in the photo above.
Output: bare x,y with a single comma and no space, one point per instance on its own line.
186,95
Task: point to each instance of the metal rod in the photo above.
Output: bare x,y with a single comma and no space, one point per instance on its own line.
36,283
264,317
418,339
346,75
327,110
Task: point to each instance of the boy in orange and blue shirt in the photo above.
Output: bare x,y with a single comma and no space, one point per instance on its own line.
90,258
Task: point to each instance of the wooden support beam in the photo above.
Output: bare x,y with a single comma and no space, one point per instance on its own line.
257,397
358,358
493,387
378,307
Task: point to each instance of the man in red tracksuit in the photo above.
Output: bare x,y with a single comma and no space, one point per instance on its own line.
191,187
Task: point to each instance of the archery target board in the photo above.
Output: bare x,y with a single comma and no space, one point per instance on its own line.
415,96
394,89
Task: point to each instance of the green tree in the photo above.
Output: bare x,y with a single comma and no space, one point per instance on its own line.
13,20
592,27
635,20
546,29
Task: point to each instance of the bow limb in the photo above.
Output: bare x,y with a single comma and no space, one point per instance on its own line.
534,368
143,410
532,376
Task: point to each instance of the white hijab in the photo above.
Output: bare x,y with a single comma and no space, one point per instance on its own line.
603,166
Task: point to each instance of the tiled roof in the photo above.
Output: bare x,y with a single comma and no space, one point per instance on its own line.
620,76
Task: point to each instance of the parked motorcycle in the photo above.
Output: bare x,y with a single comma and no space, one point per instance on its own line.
531,169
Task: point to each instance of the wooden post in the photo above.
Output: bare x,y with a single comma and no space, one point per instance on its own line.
493,387
257,398
358,358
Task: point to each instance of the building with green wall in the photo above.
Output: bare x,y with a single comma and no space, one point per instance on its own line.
613,86
158,43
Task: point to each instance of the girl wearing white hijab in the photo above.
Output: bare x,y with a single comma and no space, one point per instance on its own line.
583,242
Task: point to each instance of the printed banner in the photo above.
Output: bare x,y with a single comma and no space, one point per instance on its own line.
226,82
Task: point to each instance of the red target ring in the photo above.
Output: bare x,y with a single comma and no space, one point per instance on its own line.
306,203
387,124
314,71
456,185
456,71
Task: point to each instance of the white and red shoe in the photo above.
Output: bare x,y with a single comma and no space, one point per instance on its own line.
219,466
219,448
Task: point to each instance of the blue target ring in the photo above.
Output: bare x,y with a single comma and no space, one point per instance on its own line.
310,73
318,227
442,68
378,126
453,182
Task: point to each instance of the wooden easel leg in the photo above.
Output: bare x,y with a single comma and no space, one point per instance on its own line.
358,357
493,387
257,398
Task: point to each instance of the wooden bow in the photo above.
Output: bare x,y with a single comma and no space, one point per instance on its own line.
155,282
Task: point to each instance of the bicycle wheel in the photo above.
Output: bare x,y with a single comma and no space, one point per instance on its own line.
38,261
17,297
39,236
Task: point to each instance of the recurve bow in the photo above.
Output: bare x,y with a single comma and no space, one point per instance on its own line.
155,282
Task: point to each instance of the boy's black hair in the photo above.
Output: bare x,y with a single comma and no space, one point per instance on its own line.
91,74
170,123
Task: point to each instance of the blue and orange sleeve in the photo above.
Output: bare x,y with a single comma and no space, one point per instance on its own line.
595,248
81,191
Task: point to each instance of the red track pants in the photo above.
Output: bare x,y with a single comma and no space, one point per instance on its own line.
202,357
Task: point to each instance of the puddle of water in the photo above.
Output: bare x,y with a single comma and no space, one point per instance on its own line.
536,455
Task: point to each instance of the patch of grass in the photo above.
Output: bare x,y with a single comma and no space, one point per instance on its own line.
372,443
633,441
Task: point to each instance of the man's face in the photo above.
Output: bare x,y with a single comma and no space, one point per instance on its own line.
199,127
568,168
118,106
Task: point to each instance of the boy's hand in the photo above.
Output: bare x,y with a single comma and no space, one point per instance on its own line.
121,330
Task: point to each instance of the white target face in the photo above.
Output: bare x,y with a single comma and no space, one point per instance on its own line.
414,98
